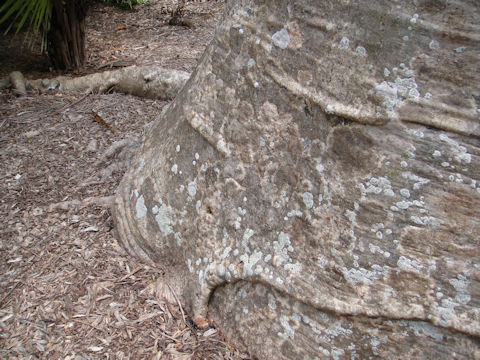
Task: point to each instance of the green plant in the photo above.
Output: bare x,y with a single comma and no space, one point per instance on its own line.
36,13
124,4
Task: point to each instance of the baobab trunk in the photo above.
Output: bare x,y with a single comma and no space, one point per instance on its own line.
313,190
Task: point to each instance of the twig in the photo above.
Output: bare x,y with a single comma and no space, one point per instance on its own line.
3,123
7,231
192,329
35,325
179,304
9,292
131,273
168,336
88,324
102,121
74,103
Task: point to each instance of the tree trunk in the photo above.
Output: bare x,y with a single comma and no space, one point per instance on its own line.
314,188
66,36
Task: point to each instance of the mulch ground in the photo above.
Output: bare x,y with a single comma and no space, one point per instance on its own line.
67,289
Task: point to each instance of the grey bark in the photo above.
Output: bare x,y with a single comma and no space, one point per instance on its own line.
314,188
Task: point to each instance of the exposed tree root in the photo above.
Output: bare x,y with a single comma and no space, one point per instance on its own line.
143,81
18,82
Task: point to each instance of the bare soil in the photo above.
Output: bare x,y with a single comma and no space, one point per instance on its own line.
67,289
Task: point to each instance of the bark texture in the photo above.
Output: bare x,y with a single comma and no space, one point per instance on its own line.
66,36
314,188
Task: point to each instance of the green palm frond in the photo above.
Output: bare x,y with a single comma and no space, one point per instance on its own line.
36,13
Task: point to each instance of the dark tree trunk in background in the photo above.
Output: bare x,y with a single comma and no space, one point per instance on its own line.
66,37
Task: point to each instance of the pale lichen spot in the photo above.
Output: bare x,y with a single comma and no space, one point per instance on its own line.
308,200
288,332
413,93
410,265
429,221
201,278
434,45
460,152
272,304
352,216
461,284
163,220
140,207
344,43
246,237
221,146
377,186
330,109
319,166
226,252
420,328
177,148
405,193
221,270
361,275
360,50
281,38
322,262
178,238
404,205
419,181
249,262
192,188
293,268
174,168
